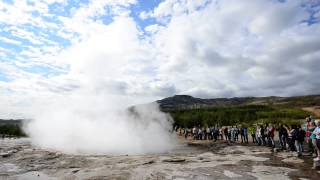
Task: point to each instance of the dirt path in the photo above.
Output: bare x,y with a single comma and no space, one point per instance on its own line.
315,110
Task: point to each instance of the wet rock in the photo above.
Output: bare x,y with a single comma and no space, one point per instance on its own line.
316,165
75,171
71,167
174,160
51,157
185,162
149,162
5,155
203,159
231,174
276,150
293,160
270,172
236,152
286,155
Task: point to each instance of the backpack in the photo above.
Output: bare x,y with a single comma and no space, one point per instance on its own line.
295,134
302,135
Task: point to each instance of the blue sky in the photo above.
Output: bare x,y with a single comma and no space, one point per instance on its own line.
12,45
151,49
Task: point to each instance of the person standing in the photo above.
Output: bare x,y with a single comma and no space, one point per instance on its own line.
271,130
194,133
263,135
200,133
236,133
252,132
309,127
215,134
209,133
186,130
283,137
300,135
291,137
221,133
225,130
259,135
233,134
316,140
229,134
242,134
245,134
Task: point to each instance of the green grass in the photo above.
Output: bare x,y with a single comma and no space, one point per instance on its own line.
249,114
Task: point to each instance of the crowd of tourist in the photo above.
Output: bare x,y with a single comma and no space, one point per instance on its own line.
291,138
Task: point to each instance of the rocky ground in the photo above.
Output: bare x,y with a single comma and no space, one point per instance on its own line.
198,160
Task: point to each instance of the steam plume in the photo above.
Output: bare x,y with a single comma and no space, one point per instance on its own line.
91,126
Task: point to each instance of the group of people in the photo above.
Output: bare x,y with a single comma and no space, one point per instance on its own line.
215,133
290,138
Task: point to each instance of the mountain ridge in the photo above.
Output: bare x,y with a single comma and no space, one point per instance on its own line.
190,102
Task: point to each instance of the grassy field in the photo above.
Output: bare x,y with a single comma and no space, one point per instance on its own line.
238,115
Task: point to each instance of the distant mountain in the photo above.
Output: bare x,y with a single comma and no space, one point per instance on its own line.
11,121
189,102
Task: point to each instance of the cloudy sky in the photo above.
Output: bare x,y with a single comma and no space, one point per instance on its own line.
149,49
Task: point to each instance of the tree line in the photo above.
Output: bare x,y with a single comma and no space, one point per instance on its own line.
246,115
11,130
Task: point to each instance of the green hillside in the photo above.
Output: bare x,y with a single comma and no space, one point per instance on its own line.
245,115
188,111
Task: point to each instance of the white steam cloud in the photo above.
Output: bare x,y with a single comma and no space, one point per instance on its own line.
91,126
85,110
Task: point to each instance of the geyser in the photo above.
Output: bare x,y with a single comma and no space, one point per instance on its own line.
84,109
92,126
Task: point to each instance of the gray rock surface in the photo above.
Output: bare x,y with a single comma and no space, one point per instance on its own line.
184,162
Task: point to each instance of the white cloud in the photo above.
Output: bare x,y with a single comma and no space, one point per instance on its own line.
202,48
177,7
232,46
144,15
23,34
277,18
10,41
20,11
